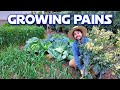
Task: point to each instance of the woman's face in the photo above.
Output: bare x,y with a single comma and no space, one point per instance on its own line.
77,35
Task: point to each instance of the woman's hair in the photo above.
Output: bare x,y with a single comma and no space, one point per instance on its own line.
76,30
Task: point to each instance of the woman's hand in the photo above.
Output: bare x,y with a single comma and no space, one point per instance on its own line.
82,73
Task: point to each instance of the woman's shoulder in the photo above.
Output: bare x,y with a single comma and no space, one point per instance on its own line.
74,43
87,38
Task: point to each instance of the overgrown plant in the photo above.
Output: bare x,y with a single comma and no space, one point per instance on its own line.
14,34
102,52
58,46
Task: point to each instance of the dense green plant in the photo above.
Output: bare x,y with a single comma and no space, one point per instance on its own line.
17,64
104,54
102,51
58,46
19,34
36,45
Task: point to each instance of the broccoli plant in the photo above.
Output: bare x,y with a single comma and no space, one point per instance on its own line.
101,51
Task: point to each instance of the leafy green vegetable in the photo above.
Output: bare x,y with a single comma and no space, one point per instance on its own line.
58,46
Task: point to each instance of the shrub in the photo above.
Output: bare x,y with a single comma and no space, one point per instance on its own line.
103,51
19,33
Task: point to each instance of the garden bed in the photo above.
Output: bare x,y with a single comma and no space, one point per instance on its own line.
28,60
75,73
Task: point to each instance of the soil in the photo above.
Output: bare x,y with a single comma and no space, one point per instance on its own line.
108,75
73,71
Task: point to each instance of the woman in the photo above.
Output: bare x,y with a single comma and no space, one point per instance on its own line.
78,34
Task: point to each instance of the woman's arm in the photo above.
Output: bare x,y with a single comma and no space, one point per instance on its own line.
75,52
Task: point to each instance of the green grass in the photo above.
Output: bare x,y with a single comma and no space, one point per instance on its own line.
17,64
